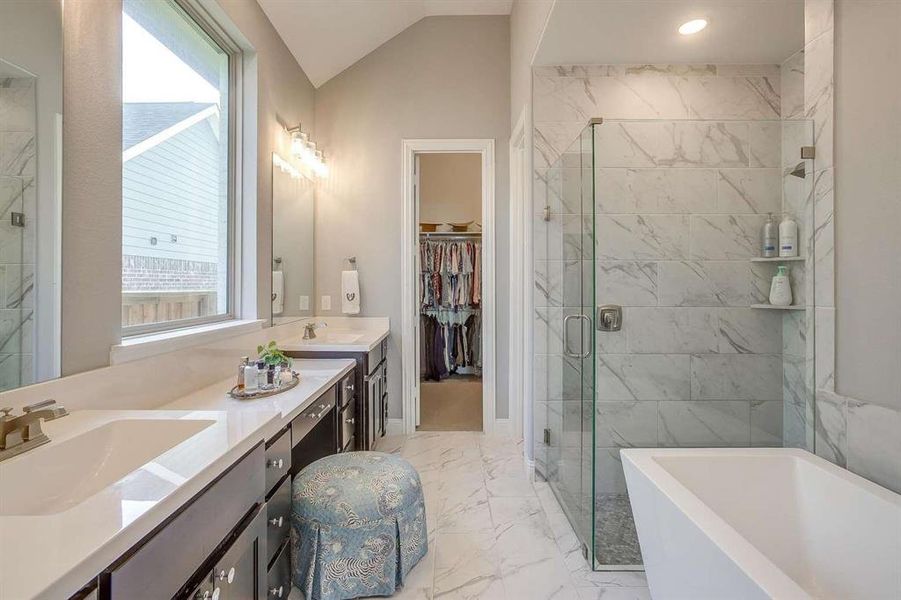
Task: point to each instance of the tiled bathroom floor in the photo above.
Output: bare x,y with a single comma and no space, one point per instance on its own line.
493,534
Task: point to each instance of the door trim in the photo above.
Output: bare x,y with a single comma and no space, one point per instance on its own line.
519,384
410,279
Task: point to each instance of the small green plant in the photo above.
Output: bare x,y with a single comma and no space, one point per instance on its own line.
271,355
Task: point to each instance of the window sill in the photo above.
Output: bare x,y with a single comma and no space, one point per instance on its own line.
154,344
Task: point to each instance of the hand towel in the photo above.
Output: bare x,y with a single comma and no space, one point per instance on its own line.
278,292
350,292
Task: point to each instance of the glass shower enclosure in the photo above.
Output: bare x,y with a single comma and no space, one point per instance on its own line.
652,321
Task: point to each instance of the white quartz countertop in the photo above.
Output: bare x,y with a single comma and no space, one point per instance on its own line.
316,376
342,334
57,536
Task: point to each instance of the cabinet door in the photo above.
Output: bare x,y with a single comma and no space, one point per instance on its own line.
241,573
373,389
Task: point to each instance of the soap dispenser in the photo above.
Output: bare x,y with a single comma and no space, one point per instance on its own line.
781,289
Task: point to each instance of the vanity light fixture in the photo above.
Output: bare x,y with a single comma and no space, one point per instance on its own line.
692,27
285,167
305,149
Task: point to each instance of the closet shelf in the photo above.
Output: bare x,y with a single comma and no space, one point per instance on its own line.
778,260
771,307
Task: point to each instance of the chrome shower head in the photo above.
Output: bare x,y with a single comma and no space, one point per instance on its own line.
800,171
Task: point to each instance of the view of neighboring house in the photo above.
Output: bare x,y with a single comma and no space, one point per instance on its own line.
173,264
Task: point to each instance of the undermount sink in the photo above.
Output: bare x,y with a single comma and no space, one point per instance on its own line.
56,477
336,337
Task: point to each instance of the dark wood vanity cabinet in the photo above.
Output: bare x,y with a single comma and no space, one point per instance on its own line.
232,540
370,393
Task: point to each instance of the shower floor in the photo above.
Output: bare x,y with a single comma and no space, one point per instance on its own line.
616,542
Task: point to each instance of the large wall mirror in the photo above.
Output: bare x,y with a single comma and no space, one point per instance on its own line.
31,106
292,242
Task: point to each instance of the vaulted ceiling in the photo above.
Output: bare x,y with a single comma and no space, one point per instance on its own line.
327,36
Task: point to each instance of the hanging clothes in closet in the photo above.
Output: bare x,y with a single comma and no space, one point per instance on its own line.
450,298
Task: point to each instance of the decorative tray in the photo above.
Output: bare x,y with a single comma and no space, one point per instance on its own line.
242,395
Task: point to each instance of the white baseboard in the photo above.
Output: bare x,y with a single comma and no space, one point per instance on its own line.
394,427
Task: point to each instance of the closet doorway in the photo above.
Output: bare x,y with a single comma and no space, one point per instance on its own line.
448,355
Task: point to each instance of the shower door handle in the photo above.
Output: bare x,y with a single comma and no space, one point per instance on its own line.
566,351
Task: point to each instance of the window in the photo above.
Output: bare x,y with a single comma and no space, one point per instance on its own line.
178,162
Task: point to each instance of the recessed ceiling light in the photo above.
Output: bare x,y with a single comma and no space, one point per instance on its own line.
693,26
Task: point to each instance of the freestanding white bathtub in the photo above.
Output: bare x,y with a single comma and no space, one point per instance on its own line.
762,523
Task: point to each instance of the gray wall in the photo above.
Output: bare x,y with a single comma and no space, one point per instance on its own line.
92,183
92,192
868,191
444,77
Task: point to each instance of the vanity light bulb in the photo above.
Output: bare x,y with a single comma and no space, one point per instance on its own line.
693,26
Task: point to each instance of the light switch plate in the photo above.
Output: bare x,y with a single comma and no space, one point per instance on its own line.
304,303
326,303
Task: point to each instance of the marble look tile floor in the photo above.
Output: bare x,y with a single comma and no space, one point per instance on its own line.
493,533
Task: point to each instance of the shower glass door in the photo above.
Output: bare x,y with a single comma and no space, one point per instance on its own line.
569,286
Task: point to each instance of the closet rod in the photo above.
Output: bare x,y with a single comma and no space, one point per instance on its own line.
450,234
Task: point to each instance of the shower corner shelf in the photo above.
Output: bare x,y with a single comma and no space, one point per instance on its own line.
778,259
772,307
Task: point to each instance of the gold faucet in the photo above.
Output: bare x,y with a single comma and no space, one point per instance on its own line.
22,433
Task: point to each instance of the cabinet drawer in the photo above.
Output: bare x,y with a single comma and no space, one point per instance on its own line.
278,518
347,423
346,389
305,421
279,578
161,565
278,459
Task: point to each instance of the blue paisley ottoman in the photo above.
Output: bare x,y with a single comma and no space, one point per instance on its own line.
357,525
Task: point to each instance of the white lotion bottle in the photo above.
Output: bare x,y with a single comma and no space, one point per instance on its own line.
788,237
781,288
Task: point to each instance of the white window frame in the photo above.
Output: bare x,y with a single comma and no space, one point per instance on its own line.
198,11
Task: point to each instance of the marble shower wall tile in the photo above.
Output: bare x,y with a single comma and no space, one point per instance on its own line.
708,423
551,140
703,283
670,330
764,142
17,154
825,348
755,97
824,239
874,443
643,377
627,283
831,427
736,377
673,144
818,94
660,191
792,73
766,423
725,237
749,191
642,237
626,424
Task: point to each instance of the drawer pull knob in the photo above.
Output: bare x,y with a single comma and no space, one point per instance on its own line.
350,421
277,591
228,576
277,521
275,463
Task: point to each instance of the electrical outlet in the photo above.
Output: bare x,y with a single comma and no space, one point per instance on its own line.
326,303
304,303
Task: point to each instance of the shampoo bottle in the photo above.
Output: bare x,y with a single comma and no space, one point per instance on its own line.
781,289
788,237
770,238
